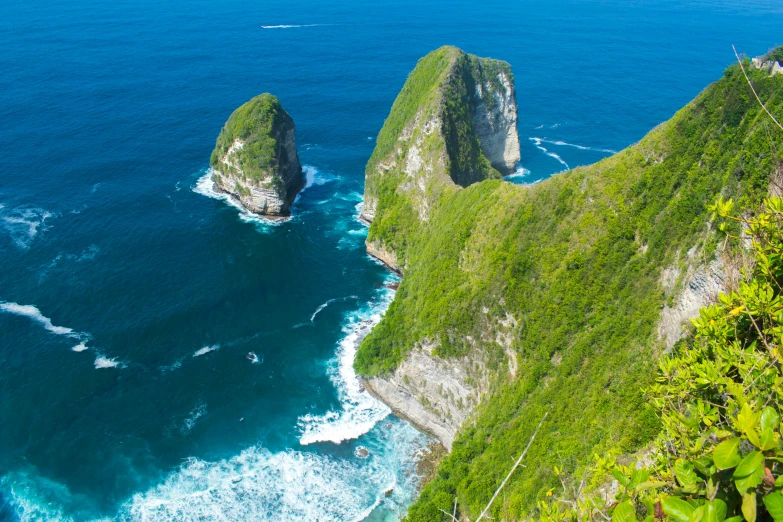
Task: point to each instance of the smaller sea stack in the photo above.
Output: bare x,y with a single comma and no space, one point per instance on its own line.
255,158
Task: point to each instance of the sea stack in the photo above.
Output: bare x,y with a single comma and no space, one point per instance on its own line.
255,158
453,124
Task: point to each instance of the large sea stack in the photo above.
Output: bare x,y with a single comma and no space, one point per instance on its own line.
453,124
255,158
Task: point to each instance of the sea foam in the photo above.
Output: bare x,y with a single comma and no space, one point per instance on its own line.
24,223
105,362
359,411
206,349
537,142
580,147
35,314
206,187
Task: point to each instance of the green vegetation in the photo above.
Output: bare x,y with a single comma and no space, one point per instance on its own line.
441,87
776,54
577,261
719,396
257,124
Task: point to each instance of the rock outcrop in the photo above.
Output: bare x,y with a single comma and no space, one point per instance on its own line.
255,158
452,125
701,288
436,395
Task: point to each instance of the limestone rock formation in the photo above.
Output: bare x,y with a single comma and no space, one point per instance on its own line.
255,158
452,125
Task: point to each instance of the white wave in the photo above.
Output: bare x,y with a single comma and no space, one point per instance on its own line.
521,172
34,498
104,362
260,485
206,187
580,147
195,414
206,349
537,143
23,224
35,314
359,411
313,177
291,26
330,301
80,347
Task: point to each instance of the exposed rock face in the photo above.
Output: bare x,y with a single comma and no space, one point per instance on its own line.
435,394
495,119
388,258
702,288
461,131
255,158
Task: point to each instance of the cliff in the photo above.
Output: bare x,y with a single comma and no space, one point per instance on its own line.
555,297
255,158
453,124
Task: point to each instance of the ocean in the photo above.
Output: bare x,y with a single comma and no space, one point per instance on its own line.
132,296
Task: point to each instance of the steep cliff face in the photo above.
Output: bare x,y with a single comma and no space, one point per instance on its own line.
452,125
255,158
556,297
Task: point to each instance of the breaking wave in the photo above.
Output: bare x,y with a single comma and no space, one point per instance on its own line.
102,362
580,147
537,142
330,301
23,224
520,173
206,187
359,411
291,26
33,313
206,349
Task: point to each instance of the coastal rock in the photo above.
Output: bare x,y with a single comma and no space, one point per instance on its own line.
701,288
255,158
452,125
437,395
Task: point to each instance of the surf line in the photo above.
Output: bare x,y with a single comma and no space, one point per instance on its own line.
537,143
327,303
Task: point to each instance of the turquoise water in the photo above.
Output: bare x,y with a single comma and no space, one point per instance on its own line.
130,295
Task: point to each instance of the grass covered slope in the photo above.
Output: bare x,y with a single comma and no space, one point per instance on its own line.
428,145
577,262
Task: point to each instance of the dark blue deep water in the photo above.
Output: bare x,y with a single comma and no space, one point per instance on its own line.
129,298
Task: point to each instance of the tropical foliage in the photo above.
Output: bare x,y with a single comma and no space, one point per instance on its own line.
258,125
719,397
577,262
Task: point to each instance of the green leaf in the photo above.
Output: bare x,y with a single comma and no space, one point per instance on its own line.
624,512
749,472
677,509
650,484
714,511
697,515
747,420
768,440
622,479
749,506
774,503
684,472
738,518
769,418
779,482
726,454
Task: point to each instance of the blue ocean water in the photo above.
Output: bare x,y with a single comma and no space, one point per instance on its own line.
130,296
